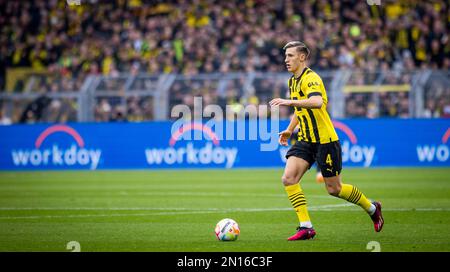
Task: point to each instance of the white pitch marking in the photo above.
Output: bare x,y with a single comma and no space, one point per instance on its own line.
200,209
96,209
161,209
214,194
204,194
331,207
186,211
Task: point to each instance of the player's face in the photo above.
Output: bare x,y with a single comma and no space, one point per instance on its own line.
292,59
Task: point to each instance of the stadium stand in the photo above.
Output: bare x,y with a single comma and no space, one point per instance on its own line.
58,47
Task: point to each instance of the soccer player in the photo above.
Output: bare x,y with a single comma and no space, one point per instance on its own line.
317,141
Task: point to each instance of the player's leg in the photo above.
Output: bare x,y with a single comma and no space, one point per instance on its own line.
330,161
293,172
348,192
299,160
352,194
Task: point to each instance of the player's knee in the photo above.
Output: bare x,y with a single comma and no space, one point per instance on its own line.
288,180
334,189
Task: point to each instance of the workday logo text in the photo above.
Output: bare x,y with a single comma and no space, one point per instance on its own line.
210,153
427,153
351,150
54,155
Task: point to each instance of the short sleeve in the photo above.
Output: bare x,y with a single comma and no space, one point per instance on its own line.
313,85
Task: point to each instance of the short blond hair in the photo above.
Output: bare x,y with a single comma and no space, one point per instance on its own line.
301,47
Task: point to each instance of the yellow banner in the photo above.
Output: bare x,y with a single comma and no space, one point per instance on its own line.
14,75
377,88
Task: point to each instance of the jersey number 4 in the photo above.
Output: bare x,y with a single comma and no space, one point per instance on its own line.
328,160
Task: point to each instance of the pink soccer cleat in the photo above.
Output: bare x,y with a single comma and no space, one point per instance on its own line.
303,234
377,217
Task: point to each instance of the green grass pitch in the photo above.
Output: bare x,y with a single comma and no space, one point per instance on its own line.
177,210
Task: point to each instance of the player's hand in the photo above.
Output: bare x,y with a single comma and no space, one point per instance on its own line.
279,102
284,137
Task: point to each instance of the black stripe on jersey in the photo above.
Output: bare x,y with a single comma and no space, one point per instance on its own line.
294,83
309,71
299,121
314,94
314,124
300,91
307,129
301,132
304,70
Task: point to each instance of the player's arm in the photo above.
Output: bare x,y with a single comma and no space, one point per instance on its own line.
313,102
314,99
286,134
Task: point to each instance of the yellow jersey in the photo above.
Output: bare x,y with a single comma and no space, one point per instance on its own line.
315,125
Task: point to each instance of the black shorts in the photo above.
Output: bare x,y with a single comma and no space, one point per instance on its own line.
328,156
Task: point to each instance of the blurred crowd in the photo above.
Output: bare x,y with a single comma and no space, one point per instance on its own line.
110,37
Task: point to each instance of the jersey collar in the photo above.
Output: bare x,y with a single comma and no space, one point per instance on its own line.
304,70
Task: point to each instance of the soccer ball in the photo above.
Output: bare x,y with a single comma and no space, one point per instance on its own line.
227,230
